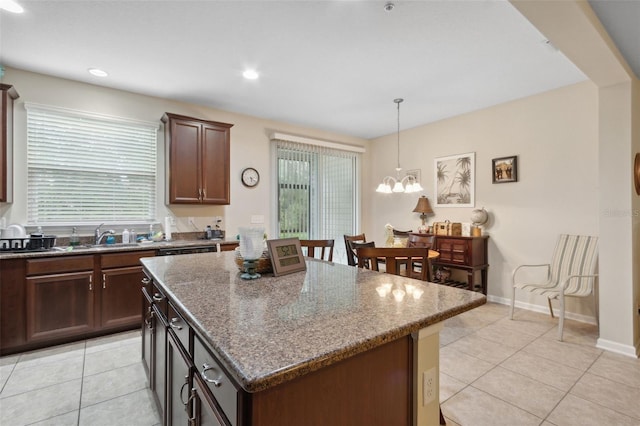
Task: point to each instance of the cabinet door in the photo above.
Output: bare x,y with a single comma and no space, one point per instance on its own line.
204,410
121,297
159,366
12,304
59,305
148,325
178,382
215,165
185,166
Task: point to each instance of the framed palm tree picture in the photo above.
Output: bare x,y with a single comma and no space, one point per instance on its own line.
455,180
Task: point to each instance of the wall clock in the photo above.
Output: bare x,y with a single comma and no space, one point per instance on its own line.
250,177
636,172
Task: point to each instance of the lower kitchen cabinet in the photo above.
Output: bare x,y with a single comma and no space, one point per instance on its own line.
120,289
178,382
60,305
60,298
51,300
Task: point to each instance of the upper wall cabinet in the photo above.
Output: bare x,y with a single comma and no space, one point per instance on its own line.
198,155
8,94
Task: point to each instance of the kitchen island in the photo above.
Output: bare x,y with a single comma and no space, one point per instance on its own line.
330,345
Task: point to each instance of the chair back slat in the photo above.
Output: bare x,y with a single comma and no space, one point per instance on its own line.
574,255
351,254
393,258
420,241
321,247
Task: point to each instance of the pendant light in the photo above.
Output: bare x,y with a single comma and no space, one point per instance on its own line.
407,184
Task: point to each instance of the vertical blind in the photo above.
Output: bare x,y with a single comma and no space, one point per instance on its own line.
86,168
317,193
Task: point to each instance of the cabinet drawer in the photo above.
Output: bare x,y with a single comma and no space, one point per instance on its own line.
57,265
179,327
220,385
159,299
130,258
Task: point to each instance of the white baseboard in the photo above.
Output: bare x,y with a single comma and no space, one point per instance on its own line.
543,309
627,350
608,345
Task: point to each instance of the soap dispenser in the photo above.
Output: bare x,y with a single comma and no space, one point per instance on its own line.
74,239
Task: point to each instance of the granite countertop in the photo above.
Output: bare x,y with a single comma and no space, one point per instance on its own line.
274,329
108,248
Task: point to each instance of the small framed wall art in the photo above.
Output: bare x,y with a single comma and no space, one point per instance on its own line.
505,169
286,256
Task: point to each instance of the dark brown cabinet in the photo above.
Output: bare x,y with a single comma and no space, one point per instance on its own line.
178,382
7,95
59,298
198,157
467,253
120,289
51,300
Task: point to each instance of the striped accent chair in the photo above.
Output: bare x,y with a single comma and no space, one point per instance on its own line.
571,273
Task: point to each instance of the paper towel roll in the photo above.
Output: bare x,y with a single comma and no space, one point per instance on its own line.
167,228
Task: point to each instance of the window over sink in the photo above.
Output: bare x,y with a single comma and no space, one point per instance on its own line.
85,168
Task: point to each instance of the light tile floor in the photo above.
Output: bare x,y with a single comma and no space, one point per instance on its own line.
494,371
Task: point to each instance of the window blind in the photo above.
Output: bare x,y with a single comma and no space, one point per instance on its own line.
86,168
317,193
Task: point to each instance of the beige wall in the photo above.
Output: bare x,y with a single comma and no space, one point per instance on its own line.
555,137
250,146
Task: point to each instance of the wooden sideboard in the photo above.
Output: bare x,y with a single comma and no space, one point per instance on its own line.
466,253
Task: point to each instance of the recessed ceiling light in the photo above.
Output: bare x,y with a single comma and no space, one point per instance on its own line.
97,72
11,6
250,74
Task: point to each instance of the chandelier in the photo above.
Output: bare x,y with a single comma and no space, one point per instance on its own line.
407,184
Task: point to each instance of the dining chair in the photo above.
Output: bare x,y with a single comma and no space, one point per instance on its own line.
356,245
416,240
393,258
319,246
571,273
397,233
351,255
426,241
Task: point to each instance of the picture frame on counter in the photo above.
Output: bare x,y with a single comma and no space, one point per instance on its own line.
286,256
505,169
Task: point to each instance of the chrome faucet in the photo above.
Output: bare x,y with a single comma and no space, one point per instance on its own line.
99,235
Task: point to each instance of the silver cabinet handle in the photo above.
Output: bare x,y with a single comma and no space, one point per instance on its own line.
146,281
158,297
90,282
104,280
174,324
206,367
186,382
149,319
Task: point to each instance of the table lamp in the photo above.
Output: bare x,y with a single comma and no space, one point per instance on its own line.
423,207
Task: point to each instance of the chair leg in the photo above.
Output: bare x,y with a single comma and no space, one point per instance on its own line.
550,307
561,322
513,302
442,420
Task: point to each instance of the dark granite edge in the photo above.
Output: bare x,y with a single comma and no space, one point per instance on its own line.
322,360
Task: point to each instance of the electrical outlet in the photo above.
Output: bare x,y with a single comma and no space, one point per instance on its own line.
172,221
257,218
428,386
